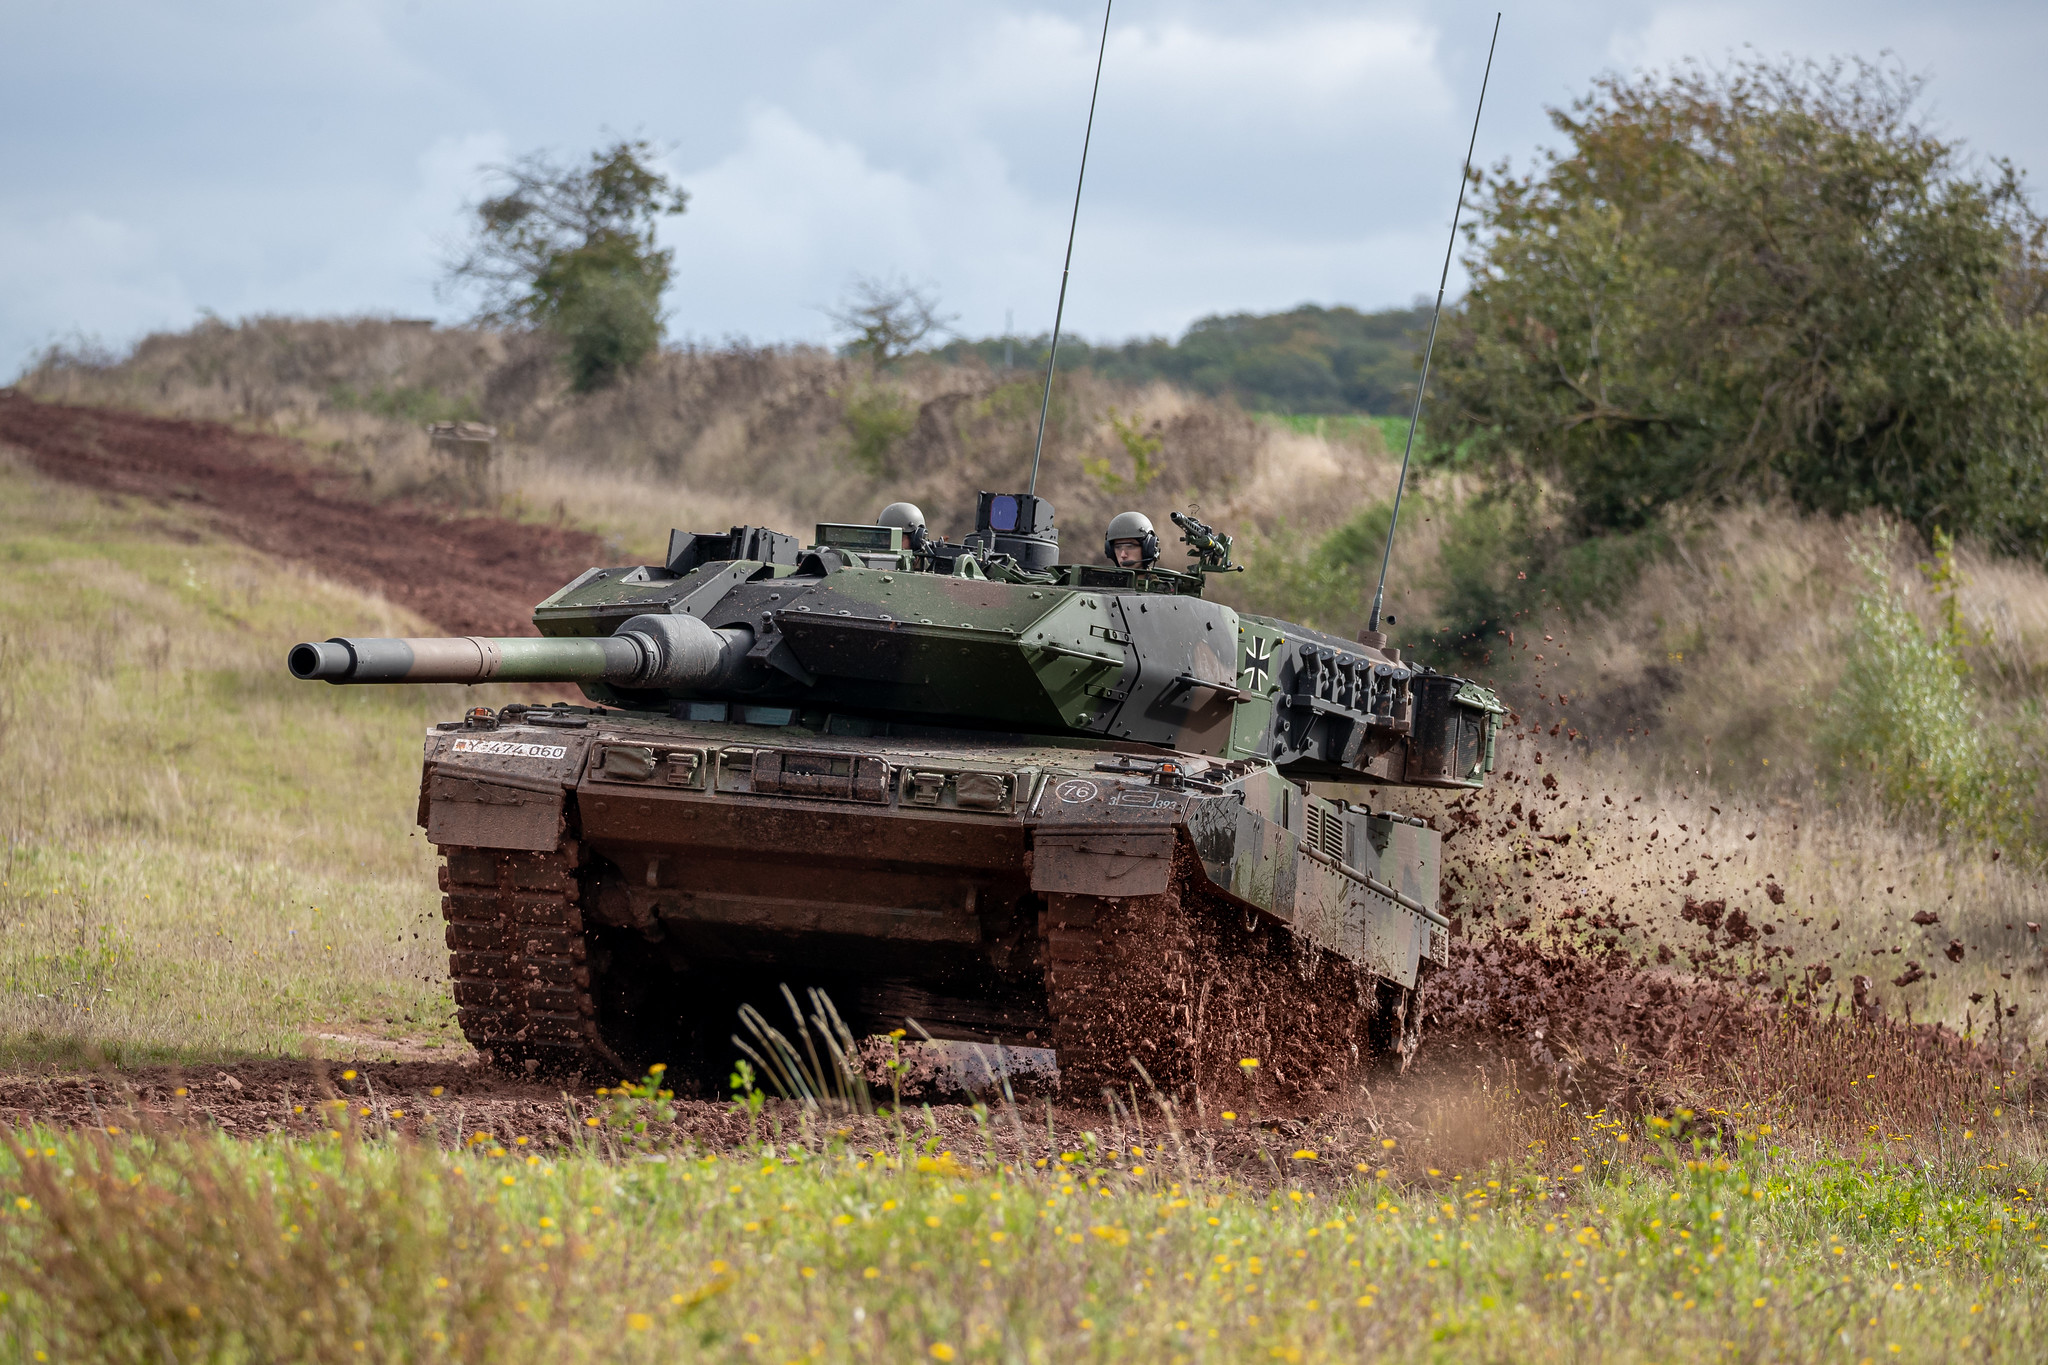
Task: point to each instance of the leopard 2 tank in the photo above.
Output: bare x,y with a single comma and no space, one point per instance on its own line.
970,785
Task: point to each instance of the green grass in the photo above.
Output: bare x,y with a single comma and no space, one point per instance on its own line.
132,1248
1392,431
202,857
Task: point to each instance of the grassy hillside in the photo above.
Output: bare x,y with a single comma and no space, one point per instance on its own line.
1694,666
704,439
203,857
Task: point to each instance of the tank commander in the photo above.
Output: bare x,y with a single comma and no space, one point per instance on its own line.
1130,542
905,515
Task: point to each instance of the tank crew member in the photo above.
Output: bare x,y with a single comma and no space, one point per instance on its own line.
910,518
905,515
1131,543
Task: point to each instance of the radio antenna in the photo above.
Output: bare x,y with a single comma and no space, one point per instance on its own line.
1060,312
1379,594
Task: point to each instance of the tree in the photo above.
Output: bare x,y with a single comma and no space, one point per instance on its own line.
886,318
572,250
1760,279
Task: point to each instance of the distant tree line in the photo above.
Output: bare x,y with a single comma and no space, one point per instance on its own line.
1306,360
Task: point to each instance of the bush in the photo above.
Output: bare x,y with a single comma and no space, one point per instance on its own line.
1906,714
877,417
1757,281
610,321
572,250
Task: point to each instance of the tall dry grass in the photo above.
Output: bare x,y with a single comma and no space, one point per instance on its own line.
702,438
1718,664
199,857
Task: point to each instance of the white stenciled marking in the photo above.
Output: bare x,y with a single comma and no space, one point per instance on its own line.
1076,791
505,748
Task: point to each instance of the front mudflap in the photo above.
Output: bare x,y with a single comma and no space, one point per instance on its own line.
1102,861
503,789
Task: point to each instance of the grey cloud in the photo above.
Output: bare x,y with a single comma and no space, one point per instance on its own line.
310,157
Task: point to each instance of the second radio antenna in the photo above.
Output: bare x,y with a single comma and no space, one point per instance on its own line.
1060,312
1379,594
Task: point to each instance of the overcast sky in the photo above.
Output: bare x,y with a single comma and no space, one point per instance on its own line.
161,159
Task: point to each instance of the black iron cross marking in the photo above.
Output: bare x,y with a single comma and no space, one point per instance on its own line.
1258,655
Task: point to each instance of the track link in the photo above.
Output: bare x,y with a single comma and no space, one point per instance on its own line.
516,957
1189,984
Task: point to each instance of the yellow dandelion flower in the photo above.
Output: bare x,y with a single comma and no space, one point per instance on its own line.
941,1351
348,1075
639,1322
1248,1062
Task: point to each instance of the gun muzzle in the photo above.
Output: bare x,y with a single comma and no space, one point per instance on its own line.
653,652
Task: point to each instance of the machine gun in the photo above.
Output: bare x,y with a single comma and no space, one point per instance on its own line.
1211,549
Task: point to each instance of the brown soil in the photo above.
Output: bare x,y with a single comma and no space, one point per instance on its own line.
1518,1046
470,575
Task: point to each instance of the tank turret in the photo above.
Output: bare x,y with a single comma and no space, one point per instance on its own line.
862,627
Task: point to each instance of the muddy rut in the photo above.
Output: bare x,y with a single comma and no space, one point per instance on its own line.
469,575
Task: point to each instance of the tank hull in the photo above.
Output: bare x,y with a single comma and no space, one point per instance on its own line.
618,883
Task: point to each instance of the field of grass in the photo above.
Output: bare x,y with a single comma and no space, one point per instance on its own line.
202,857
1669,1248
1389,432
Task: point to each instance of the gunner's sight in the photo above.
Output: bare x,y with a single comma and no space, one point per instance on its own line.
1019,525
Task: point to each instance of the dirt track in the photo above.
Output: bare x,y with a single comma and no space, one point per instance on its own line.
470,575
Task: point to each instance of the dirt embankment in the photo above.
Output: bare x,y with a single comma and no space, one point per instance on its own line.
470,575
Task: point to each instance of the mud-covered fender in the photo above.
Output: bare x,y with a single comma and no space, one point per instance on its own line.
1253,858
1260,861
498,789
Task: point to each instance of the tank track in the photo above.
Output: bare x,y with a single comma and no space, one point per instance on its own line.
516,958
1188,984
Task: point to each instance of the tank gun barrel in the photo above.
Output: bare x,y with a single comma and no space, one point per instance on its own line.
659,652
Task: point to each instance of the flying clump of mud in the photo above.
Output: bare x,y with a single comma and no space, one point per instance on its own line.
1637,956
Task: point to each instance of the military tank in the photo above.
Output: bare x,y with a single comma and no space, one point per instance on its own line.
970,788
